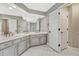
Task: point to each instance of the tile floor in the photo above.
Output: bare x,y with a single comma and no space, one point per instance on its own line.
44,50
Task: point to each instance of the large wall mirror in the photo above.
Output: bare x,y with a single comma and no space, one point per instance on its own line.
33,27
9,24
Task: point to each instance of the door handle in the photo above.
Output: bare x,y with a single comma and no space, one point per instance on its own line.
61,32
67,29
49,31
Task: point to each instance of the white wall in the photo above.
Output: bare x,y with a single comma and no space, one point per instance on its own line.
74,25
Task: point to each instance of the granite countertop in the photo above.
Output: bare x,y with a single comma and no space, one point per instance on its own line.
17,36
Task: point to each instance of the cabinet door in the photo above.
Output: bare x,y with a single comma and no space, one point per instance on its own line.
21,47
43,39
64,27
27,43
1,53
15,50
10,51
34,41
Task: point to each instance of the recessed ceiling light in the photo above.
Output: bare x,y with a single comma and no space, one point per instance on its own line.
10,8
14,6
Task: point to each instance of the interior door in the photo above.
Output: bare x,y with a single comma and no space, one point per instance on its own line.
64,27
54,41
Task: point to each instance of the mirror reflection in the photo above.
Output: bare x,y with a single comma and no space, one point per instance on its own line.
8,26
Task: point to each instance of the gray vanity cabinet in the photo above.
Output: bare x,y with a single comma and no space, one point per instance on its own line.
18,46
7,49
21,46
38,39
10,51
1,53
34,40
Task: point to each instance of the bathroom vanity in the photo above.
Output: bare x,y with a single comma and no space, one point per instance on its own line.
19,43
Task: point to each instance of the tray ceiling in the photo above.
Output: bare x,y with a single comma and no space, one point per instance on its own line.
39,6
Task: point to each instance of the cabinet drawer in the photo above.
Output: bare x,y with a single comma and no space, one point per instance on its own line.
32,36
38,35
16,41
23,39
42,35
6,44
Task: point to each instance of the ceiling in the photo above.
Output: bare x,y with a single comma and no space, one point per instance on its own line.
29,11
30,17
39,6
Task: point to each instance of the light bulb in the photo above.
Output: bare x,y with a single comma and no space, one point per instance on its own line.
10,8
